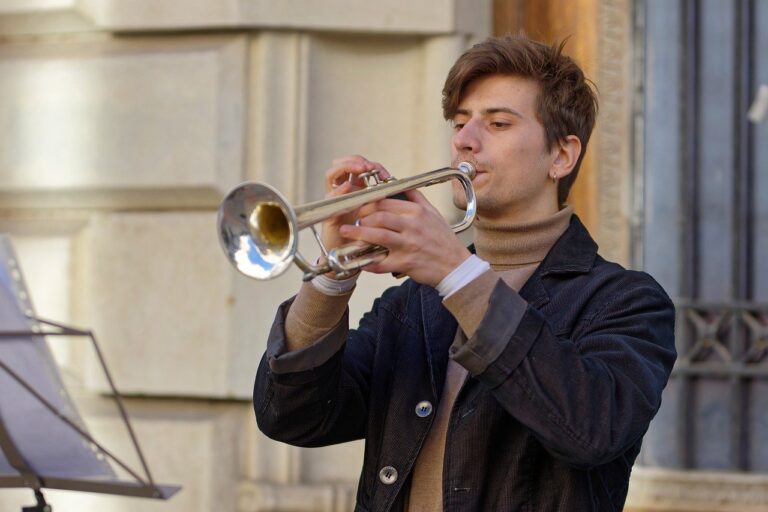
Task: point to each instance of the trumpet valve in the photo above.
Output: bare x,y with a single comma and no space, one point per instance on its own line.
370,178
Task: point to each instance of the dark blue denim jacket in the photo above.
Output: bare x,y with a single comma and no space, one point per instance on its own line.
555,422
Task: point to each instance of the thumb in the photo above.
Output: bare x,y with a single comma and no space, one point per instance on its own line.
417,197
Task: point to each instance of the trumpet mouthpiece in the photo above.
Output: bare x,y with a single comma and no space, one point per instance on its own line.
467,168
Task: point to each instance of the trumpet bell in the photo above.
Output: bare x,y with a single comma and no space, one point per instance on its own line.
258,230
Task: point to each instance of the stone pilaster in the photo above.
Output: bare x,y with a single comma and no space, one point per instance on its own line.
614,132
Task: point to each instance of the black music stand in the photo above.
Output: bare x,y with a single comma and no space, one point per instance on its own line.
44,442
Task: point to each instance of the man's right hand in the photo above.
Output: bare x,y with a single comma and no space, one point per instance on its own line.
342,178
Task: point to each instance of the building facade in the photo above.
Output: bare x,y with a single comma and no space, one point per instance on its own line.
123,124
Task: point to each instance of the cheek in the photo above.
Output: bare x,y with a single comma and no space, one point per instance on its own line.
531,163
524,151
543,162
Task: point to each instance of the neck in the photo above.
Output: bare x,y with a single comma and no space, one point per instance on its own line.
508,243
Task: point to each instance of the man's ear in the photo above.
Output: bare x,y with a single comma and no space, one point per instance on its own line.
567,153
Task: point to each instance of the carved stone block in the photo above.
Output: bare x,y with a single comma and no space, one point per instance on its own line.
121,123
172,316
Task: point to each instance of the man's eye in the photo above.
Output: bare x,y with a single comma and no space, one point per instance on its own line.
499,124
458,126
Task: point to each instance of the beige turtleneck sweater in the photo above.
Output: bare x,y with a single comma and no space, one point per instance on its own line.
514,252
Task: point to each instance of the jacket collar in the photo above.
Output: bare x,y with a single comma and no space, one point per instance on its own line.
573,253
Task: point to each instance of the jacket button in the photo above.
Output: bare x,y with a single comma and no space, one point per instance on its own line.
388,475
423,409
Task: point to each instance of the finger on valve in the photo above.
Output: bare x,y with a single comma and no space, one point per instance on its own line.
348,169
342,178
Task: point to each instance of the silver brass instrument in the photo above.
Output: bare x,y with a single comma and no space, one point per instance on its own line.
258,228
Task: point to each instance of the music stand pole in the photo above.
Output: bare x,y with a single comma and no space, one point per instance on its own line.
41,506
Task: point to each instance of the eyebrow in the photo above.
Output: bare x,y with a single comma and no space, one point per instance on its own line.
492,110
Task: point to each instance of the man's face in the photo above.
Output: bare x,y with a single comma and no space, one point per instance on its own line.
496,129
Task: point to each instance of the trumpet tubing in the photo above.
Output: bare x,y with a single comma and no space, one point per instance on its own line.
258,228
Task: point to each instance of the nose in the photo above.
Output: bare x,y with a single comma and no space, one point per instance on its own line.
467,138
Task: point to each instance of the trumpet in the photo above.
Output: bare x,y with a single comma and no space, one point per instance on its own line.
258,228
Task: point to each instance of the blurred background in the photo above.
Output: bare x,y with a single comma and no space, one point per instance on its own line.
123,124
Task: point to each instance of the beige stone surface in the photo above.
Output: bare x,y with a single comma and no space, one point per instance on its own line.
191,444
662,490
41,16
172,316
271,462
126,116
259,497
426,16
277,126
330,464
354,107
254,305
471,17
619,212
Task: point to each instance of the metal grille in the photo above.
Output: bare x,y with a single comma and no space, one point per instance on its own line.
704,227
717,87
722,349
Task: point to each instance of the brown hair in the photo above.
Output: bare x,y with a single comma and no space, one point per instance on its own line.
567,103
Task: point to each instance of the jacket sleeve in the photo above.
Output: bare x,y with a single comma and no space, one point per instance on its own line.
318,395
588,397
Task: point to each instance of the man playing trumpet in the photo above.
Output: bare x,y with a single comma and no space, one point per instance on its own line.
518,374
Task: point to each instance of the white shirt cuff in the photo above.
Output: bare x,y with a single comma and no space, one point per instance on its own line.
469,270
328,286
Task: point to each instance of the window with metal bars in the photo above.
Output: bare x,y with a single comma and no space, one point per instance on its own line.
704,233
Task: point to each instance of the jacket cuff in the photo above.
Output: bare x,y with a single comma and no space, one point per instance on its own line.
496,330
319,352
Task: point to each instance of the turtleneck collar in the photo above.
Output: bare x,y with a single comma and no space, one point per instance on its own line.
506,245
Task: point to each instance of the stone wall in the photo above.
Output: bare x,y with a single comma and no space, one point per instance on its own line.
122,125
